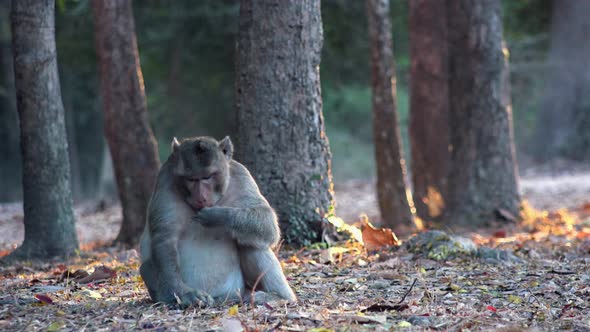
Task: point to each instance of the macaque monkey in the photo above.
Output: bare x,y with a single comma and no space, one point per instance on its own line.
209,232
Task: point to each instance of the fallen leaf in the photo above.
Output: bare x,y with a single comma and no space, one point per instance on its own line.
500,233
404,323
44,298
233,310
100,273
377,238
78,274
364,319
55,326
515,299
91,294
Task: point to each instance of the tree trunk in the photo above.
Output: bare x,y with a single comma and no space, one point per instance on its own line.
281,136
130,139
483,178
564,121
49,220
429,106
395,203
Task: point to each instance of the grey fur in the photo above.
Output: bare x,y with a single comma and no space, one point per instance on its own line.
212,255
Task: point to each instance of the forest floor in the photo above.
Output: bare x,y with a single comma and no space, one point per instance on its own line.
543,284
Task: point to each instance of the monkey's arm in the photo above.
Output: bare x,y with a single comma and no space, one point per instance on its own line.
164,253
165,261
253,226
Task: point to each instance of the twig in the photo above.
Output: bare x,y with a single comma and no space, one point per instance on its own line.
563,273
408,292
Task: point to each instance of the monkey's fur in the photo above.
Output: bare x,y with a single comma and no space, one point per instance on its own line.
209,230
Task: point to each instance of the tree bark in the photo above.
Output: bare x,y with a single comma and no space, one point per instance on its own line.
483,177
395,203
130,139
49,220
281,136
429,106
564,121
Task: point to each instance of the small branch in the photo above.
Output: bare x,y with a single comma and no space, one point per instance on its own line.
408,292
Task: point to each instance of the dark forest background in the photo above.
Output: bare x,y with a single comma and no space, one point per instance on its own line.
187,58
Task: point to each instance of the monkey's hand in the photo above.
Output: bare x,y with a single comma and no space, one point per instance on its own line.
212,217
186,296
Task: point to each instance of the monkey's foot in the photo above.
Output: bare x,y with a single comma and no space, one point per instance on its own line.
188,297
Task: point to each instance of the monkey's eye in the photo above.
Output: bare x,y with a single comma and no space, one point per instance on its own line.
207,177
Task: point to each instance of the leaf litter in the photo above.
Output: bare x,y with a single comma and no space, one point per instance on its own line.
529,275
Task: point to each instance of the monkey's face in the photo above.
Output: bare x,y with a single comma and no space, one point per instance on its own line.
202,170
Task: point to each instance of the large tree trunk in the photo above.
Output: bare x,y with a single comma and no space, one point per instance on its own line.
49,220
131,142
483,178
564,122
281,136
392,188
429,106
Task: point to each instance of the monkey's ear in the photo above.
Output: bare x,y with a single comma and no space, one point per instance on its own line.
227,147
175,144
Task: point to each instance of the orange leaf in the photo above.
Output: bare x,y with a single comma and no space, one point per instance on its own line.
376,238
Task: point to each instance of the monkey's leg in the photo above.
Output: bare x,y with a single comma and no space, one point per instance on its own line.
262,271
150,278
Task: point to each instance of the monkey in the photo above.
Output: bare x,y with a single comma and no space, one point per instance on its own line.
209,233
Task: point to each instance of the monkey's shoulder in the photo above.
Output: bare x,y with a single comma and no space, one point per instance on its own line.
241,176
242,189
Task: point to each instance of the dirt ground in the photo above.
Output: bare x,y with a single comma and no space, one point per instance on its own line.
342,288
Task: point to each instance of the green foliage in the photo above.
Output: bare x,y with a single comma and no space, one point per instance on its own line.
526,18
347,111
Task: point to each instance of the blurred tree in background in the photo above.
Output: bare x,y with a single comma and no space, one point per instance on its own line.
127,128
187,55
563,127
395,202
482,177
429,104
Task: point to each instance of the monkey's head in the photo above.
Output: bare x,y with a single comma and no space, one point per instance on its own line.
201,169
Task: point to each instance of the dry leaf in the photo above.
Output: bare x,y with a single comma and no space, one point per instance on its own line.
44,298
100,273
377,238
78,274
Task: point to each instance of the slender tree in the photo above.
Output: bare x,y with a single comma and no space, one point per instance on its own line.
130,139
281,136
392,190
564,121
429,106
483,177
49,220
